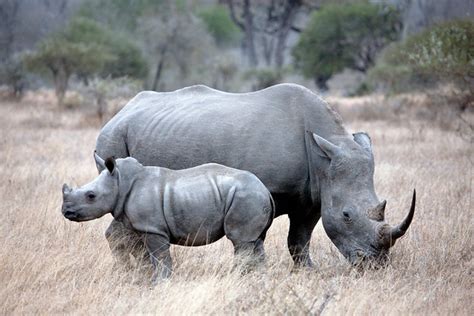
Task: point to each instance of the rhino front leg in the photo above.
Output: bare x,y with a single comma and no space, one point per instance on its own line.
158,247
299,236
123,242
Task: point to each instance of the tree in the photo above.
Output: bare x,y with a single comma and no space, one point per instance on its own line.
268,22
175,38
13,74
219,24
84,48
8,15
340,36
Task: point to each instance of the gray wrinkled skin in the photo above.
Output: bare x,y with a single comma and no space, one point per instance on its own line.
190,207
287,136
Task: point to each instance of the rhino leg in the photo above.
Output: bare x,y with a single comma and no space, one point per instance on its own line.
248,255
158,247
299,236
123,242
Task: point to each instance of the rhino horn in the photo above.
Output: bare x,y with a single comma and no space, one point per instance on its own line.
378,213
400,230
66,189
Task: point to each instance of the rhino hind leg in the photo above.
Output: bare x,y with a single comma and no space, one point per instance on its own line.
158,247
248,256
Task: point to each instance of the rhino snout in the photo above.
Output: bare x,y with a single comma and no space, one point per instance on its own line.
70,215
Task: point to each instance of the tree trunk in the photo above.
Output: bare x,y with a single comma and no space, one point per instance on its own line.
268,47
61,78
287,22
159,69
249,35
248,28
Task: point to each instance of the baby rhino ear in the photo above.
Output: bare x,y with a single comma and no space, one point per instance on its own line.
110,165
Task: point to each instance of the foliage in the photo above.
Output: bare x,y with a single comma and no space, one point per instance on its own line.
219,24
119,14
264,77
79,48
13,74
340,36
178,45
444,51
85,48
128,61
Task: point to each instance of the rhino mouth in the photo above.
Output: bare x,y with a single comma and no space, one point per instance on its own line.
363,260
72,214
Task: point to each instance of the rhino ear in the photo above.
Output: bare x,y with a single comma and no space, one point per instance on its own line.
110,165
326,148
99,162
363,139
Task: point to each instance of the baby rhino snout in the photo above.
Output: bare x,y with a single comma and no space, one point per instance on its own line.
67,210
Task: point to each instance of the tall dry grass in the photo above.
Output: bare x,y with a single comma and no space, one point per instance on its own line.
51,265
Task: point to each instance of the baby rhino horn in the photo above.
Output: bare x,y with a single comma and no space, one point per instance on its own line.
66,189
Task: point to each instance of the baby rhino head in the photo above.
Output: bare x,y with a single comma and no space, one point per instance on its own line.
94,199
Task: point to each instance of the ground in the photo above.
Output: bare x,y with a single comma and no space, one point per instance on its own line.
51,265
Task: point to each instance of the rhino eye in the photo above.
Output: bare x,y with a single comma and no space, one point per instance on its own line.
90,195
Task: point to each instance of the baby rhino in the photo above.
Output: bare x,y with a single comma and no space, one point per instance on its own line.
190,207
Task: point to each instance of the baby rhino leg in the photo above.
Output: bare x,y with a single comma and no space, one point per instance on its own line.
123,242
245,225
158,247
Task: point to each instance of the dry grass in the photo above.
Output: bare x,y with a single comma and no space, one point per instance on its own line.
50,265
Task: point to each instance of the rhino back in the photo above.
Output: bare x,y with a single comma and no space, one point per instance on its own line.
262,132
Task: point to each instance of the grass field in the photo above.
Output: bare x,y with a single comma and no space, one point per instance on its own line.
51,265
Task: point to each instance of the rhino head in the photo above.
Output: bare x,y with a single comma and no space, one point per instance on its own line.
353,217
94,199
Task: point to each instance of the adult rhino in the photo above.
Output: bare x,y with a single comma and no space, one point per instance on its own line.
287,136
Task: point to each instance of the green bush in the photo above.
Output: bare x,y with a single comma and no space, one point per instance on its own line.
344,36
219,25
85,48
443,52
128,61
14,75
264,77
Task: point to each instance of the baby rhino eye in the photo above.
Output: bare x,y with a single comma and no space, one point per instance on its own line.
90,195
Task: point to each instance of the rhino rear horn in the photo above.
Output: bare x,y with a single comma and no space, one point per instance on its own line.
378,213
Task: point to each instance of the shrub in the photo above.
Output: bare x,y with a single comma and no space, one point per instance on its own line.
13,74
219,24
443,52
344,36
85,49
264,77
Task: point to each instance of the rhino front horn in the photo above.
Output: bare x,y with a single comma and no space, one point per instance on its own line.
400,230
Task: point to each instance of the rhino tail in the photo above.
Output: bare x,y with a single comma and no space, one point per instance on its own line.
270,219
